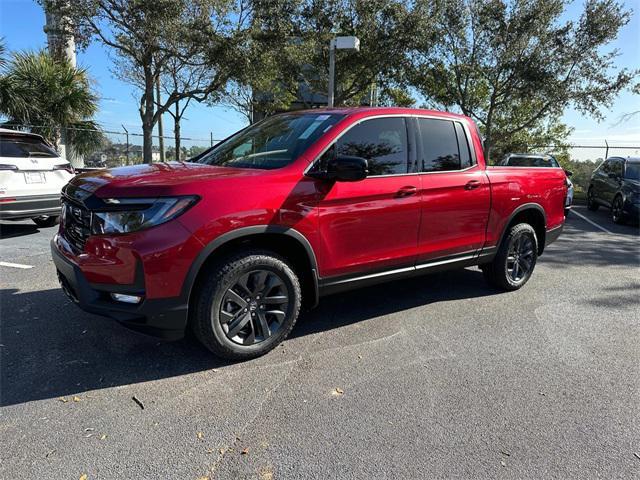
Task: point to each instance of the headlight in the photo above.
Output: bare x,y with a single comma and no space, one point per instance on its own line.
125,215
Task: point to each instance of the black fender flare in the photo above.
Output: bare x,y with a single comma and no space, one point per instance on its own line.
223,239
520,209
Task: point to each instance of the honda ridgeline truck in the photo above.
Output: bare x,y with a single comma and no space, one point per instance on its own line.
233,243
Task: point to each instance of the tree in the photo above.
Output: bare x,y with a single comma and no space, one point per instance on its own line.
146,35
52,97
288,52
513,65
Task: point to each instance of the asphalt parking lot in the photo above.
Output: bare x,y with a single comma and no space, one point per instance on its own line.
436,377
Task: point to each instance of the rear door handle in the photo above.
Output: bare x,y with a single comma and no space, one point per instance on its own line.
472,184
407,191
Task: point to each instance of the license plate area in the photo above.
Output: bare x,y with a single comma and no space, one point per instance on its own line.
34,177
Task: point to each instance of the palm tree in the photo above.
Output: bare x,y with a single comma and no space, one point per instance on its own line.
51,96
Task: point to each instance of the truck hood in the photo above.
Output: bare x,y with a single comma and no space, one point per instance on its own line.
156,179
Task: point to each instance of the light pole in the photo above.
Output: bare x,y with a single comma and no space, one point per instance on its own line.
338,43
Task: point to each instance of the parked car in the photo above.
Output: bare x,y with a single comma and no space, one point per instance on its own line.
615,184
298,206
31,177
540,160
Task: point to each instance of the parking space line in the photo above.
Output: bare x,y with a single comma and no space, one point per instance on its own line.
591,222
15,265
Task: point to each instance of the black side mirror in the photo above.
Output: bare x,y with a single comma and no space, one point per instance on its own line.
568,173
343,168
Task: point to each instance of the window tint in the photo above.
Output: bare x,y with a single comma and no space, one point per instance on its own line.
606,166
463,146
382,141
616,167
439,145
632,171
23,146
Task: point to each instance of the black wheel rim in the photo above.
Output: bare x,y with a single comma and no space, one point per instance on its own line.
617,209
520,258
254,308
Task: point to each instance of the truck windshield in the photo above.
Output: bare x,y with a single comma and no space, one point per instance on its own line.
632,172
272,143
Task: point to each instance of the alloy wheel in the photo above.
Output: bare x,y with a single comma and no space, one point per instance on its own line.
616,209
254,307
520,258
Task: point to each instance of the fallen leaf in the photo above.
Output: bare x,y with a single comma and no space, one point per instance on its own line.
214,369
637,455
103,437
502,463
245,451
360,357
200,435
63,400
89,429
84,476
76,399
337,391
504,452
221,451
50,453
266,473
203,478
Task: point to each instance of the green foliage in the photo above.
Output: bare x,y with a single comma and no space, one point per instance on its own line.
52,96
513,65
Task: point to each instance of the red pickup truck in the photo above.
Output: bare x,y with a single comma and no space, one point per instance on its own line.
233,243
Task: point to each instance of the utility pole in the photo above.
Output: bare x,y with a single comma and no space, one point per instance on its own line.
160,130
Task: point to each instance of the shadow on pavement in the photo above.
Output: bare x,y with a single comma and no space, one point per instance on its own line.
50,348
10,229
578,245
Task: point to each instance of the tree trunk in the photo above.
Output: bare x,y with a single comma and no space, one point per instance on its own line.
176,130
147,118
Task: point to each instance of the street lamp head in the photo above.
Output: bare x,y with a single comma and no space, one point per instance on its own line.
347,43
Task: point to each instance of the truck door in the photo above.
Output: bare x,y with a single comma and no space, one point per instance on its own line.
371,224
456,193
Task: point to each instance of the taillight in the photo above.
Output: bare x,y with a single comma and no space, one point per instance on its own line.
5,166
67,167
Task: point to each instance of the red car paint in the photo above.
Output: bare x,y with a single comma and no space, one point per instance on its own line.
352,228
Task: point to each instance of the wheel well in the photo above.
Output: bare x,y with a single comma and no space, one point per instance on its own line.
535,218
283,245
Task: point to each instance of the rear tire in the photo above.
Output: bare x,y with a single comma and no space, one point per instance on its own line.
516,258
46,221
591,201
246,305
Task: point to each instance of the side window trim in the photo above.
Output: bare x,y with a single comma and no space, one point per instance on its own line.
414,144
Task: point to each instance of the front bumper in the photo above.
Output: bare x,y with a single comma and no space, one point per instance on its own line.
165,318
30,206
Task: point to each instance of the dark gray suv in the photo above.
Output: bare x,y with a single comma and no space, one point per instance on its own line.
615,184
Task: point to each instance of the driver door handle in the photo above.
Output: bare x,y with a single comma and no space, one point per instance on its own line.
406,191
472,184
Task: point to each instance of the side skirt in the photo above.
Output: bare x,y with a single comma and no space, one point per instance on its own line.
333,285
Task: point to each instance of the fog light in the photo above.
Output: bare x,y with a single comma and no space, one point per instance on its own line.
121,297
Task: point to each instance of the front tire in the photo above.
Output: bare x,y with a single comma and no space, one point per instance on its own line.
247,305
591,201
516,258
617,210
46,221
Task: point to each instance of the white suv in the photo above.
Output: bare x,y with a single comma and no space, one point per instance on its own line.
31,177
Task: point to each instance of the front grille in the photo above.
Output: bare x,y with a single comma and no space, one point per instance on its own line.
76,224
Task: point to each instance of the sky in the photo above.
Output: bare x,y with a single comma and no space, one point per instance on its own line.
22,21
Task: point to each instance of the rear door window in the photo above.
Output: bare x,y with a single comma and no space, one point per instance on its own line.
440,146
382,141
